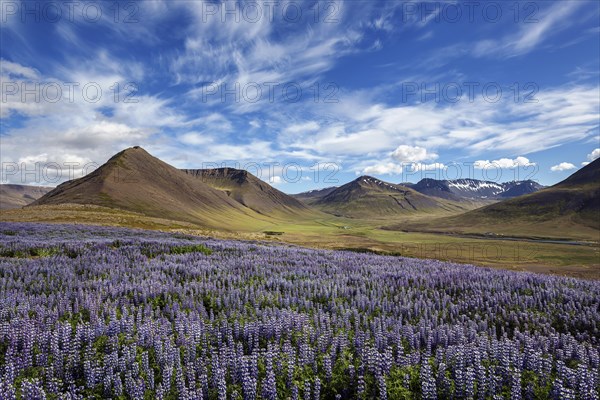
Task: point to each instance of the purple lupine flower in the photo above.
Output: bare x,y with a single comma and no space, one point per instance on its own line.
428,386
123,313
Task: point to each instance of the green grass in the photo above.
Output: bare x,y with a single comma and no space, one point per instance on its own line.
273,233
365,236
330,232
30,252
192,248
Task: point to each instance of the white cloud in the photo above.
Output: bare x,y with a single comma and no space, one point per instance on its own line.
359,129
595,154
530,35
334,140
275,180
254,150
564,115
425,36
213,124
504,163
383,169
427,167
362,126
583,164
563,166
390,168
44,169
404,153
309,126
17,70
482,164
74,130
195,138
269,49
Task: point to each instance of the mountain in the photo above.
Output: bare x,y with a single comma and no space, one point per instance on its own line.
17,196
569,209
248,190
520,188
586,177
312,196
134,180
473,189
368,197
577,198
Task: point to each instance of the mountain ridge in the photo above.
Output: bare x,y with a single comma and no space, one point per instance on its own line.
568,208
474,189
249,190
369,197
455,190
16,196
311,196
136,181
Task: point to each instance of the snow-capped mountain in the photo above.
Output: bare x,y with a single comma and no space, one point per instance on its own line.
474,189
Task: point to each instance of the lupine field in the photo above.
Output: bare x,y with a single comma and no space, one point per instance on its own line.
97,312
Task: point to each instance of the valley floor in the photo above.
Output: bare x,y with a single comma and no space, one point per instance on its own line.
514,253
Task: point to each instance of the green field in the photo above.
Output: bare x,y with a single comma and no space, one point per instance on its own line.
579,258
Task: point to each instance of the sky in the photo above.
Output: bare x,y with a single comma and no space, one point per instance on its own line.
303,94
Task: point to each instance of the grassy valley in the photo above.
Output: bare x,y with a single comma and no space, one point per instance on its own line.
552,230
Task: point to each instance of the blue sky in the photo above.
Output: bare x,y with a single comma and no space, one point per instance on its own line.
397,90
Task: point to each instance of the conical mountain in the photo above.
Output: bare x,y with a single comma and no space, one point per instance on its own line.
368,197
136,181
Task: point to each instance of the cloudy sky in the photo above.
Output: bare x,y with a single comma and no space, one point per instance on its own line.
305,94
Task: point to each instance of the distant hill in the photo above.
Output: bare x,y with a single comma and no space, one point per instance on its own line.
17,196
368,197
474,189
569,209
136,181
520,188
313,196
248,190
577,198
